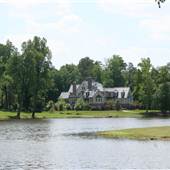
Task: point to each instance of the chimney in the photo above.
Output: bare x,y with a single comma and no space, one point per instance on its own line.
89,83
74,88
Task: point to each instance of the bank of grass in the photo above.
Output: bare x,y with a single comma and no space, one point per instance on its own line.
76,114
151,133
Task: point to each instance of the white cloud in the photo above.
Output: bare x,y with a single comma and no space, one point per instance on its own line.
33,8
127,7
59,51
145,13
103,41
158,27
23,4
70,37
65,25
53,19
70,23
158,56
53,15
31,2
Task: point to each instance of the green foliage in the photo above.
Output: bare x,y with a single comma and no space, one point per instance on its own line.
151,133
81,105
97,71
61,105
110,104
85,67
130,76
38,53
164,97
114,72
113,105
117,105
51,107
7,51
75,114
68,74
29,82
147,86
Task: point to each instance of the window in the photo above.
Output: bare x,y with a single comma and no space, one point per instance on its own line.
123,94
91,100
87,94
99,99
116,94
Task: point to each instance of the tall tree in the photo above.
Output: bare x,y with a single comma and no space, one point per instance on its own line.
38,50
147,87
85,67
15,70
129,76
163,74
69,73
137,85
97,71
164,97
115,67
55,85
6,52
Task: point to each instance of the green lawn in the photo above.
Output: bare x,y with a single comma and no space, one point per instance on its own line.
152,133
76,114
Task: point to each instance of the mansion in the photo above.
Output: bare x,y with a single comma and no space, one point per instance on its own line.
95,94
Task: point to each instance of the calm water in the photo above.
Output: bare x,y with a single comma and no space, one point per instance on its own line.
49,144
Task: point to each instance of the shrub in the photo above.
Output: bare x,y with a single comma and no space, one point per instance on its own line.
81,105
51,106
61,105
109,105
164,97
117,105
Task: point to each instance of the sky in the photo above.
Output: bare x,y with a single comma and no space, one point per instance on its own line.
74,29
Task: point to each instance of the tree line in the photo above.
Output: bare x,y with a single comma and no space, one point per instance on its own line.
28,80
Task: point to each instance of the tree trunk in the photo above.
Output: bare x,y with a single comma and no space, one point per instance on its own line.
33,115
2,100
19,108
34,105
147,109
18,113
6,98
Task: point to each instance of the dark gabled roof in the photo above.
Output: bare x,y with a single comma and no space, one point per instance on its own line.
119,90
97,87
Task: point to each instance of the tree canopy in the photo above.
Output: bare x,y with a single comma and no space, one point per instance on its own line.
29,81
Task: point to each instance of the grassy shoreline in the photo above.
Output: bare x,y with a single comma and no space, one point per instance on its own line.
77,114
149,133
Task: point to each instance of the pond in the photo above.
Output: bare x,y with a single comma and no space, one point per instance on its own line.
50,144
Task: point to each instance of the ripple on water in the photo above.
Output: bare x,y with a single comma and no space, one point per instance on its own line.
70,144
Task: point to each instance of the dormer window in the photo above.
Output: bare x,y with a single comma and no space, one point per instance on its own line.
122,94
116,94
87,94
